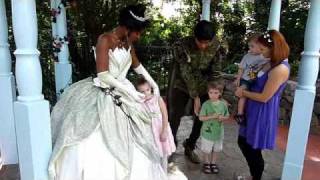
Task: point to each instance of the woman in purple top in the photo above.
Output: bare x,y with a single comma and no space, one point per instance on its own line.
262,108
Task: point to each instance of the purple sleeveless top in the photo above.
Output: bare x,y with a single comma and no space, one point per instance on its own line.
262,118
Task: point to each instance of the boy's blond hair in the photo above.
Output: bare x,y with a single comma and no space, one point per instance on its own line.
216,86
254,37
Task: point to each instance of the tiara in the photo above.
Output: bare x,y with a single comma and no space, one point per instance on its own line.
267,36
142,19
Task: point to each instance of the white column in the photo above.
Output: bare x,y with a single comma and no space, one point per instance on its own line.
205,10
304,97
8,143
274,16
63,68
32,116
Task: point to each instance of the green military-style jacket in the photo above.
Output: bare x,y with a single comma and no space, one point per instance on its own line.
192,68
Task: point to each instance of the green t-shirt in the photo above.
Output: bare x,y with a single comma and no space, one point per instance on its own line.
213,129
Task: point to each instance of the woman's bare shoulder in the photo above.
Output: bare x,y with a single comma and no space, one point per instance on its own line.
280,71
108,39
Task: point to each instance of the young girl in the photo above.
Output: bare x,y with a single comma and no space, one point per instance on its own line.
161,129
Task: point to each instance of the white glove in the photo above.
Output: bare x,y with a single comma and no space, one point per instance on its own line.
106,79
141,70
137,96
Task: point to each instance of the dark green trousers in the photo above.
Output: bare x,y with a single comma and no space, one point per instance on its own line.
177,102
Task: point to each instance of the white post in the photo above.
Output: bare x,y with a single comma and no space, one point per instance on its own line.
63,68
31,111
205,10
8,143
274,16
304,97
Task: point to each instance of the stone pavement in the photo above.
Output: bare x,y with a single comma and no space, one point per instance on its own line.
230,161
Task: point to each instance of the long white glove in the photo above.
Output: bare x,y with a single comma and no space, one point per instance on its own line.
106,79
141,70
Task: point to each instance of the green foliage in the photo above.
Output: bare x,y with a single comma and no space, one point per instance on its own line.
166,31
87,19
231,69
45,47
260,14
293,27
233,26
162,31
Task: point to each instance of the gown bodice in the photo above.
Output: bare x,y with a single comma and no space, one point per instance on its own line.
119,62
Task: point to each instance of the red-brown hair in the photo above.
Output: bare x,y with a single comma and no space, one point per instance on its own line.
278,46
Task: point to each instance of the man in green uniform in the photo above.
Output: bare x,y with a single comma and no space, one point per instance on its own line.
195,63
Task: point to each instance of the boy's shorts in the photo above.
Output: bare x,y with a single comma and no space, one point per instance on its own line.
208,146
245,83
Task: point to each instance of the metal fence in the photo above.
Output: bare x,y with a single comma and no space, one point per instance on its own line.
157,60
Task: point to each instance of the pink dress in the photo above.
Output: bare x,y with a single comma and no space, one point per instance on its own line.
167,147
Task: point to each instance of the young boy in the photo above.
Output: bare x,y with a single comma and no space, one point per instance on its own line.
249,66
213,112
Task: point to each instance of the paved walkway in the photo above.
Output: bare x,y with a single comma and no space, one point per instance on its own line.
231,161
311,167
